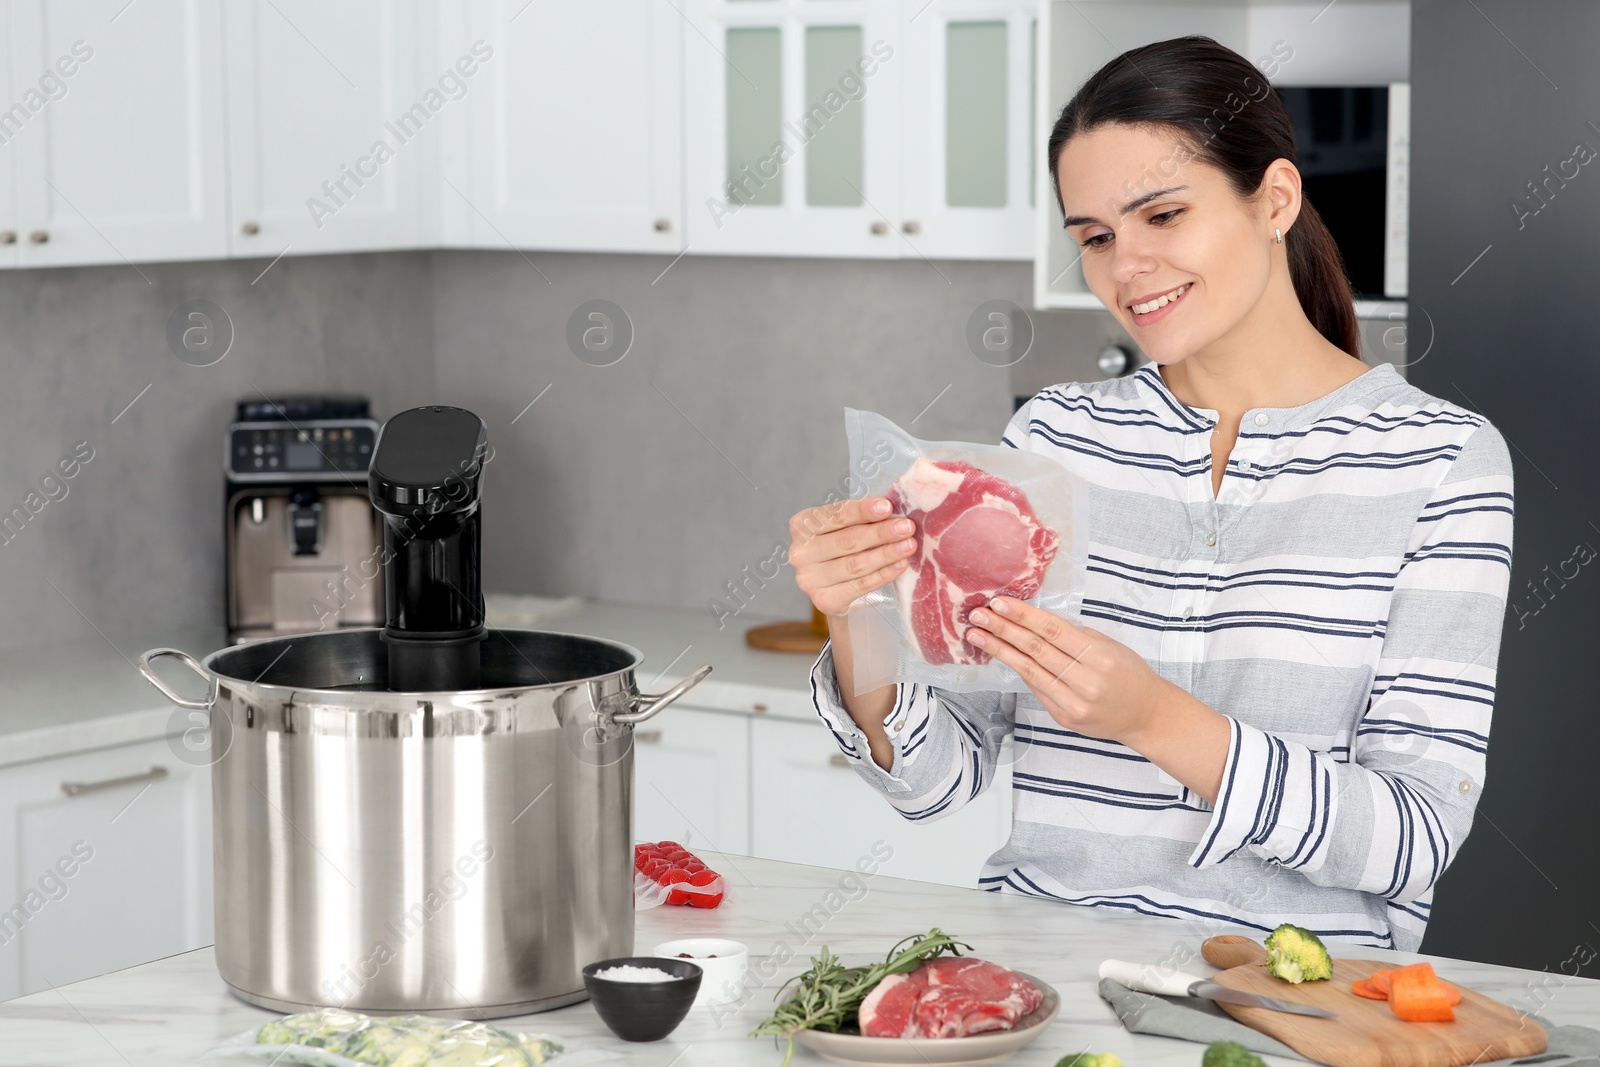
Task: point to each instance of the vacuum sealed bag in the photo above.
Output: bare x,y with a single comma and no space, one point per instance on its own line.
664,872
991,521
333,1037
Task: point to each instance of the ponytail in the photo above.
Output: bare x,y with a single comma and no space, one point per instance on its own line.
1320,281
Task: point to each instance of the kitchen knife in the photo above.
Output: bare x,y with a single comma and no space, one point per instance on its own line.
1151,979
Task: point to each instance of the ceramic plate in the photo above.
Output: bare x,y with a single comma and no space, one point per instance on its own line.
945,1052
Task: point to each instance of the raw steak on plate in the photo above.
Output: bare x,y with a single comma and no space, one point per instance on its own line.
977,538
951,996
890,1009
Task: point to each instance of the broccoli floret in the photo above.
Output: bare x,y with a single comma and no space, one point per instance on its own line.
1230,1054
1297,955
1092,1059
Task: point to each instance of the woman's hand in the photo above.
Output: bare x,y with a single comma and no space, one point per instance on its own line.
843,551
1089,683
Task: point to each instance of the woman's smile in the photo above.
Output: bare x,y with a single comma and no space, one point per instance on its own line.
1152,311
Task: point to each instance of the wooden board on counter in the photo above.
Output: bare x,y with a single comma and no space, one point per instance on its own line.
786,637
1366,1033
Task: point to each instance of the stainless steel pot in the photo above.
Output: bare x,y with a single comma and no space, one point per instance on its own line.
461,853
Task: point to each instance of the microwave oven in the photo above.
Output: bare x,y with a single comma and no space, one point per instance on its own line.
1354,147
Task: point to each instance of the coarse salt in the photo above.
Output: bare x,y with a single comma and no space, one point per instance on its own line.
630,973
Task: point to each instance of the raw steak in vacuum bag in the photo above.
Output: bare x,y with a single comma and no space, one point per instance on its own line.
977,538
991,520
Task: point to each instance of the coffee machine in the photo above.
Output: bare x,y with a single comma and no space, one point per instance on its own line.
304,544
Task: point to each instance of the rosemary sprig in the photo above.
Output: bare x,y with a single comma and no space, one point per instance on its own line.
828,995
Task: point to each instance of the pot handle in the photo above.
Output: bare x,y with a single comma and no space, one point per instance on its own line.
653,704
188,661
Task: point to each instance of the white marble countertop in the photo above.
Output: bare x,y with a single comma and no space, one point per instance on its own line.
86,694
172,1010
76,696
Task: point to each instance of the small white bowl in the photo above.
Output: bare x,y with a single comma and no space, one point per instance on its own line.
722,978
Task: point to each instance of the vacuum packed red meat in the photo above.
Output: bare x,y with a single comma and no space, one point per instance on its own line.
951,996
666,872
977,538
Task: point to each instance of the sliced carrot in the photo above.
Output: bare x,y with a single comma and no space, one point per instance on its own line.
1417,995
1382,979
1452,994
1377,984
1363,987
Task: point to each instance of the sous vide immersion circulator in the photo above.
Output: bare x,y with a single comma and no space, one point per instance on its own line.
426,482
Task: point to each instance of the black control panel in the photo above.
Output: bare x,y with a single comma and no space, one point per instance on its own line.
320,450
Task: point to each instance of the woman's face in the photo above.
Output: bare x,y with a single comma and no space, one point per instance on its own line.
1192,235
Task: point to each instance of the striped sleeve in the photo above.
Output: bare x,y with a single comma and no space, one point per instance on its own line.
1391,819
946,745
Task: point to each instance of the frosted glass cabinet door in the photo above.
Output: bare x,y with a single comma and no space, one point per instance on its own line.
576,128
117,132
332,124
970,161
791,109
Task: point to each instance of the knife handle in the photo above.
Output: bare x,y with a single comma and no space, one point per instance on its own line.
1149,978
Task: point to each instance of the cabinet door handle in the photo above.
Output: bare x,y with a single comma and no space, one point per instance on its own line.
39,237
647,737
911,226
8,237
663,225
880,227
77,789
838,759
250,229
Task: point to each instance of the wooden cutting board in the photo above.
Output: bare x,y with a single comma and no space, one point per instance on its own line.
786,637
1366,1033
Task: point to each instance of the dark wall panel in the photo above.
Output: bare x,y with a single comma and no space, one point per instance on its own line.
1505,300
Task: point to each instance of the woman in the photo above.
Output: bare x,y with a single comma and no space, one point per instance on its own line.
1298,563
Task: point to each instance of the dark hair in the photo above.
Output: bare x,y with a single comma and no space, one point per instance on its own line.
1227,114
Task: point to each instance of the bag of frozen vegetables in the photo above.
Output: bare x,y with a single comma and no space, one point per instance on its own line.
333,1037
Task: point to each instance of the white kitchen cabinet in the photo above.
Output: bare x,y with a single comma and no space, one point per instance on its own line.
8,161
860,128
792,116
107,864
116,119
809,806
333,126
970,157
576,129
260,128
691,775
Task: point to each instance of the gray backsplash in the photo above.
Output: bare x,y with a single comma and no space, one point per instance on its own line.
656,480
136,543
660,478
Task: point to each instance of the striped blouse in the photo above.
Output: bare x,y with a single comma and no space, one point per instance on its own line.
1339,599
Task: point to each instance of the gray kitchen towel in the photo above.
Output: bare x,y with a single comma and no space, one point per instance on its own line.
1194,1019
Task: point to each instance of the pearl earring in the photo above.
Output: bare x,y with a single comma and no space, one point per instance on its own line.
1278,234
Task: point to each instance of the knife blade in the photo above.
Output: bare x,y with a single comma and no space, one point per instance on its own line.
1151,979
